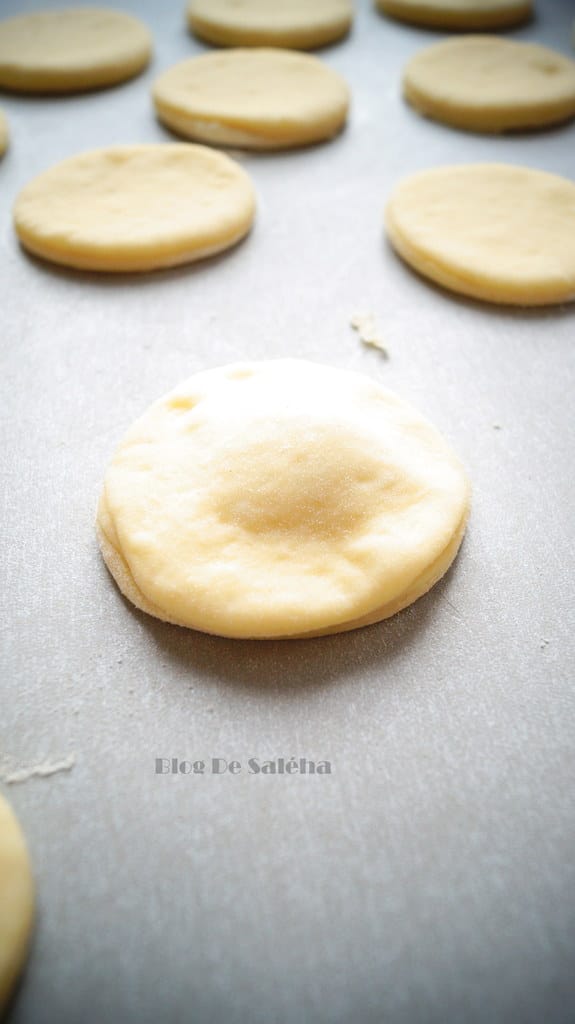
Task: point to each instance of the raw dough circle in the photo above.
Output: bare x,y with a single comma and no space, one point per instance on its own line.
280,499
301,24
16,901
258,98
130,208
4,137
492,231
469,15
71,50
488,84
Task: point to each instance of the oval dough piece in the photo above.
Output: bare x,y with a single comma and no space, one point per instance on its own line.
16,901
134,208
280,499
301,24
4,136
258,98
469,15
71,50
487,84
492,231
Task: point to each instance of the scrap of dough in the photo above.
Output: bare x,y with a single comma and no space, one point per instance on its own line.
4,137
71,50
491,231
469,15
280,499
135,208
488,84
16,901
364,324
301,24
257,98
42,770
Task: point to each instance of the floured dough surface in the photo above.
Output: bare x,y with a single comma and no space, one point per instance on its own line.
489,84
269,98
301,24
280,499
468,15
492,231
135,208
71,50
16,901
4,136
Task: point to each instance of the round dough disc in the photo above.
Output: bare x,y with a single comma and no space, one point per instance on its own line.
258,98
488,84
130,208
4,137
469,15
71,50
280,499
301,24
16,901
492,231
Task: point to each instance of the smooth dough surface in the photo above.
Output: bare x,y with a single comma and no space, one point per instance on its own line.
488,84
16,901
492,231
71,50
301,24
459,14
4,135
135,208
280,499
271,98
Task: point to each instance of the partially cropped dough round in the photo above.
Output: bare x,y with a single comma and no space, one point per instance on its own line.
258,98
280,499
301,24
71,50
488,84
4,136
469,15
492,231
16,901
130,208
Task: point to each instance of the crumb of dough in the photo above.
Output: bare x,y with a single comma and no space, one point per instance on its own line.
364,324
44,769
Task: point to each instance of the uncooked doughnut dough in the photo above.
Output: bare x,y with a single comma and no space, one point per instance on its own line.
259,98
488,84
3,134
280,499
16,901
492,231
71,50
301,24
130,208
458,14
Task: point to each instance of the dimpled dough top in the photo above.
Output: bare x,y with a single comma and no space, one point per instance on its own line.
495,232
135,207
3,134
484,83
71,49
16,901
280,498
272,97
301,24
458,14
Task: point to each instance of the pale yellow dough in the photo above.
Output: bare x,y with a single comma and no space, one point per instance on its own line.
4,136
280,499
16,901
300,24
488,84
491,231
136,208
258,98
71,50
469,15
